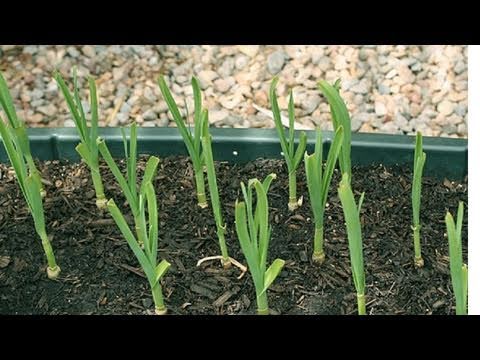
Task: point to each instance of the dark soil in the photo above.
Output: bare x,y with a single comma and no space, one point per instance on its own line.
100,274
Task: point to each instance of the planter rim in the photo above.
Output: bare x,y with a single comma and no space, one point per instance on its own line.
446,157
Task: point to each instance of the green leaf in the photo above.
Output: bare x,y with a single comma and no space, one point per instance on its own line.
94,115
459,221
332,157
152,221
131,198
302,145
246,243
268,180
278,122
457,268
150,171
145,263
7,103
354,231
77,118
340,117
14,155
272,272
177,117
291,125
85,154
261,219
161,269
197,98
36,205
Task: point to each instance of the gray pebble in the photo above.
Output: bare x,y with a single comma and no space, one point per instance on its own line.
461,110
310,103
149,115
276,61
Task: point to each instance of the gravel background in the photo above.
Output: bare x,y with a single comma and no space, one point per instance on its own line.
388,89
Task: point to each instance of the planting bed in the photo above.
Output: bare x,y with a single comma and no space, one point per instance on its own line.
100,274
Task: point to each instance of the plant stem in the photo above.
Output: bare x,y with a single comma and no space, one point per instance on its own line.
139,230
318,253
262,304
53,269
34,171
223,247
416,244
292,190
200,185
98,185
160,308
361,304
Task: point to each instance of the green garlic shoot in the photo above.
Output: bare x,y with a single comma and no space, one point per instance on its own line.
87,148
16,143
419,162
318,183
354,231
458,270
254,232
292,156
192,142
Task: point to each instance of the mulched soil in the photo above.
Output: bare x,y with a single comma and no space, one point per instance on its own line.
100,274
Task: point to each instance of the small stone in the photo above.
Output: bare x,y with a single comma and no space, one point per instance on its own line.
380,108
73,52
249,50
360,88
215,116
461,109
462,129
391,74
48,110
276,61
460,67
359,119
449,129
324,63
149,94
36,94
363,54
89,51
310,103
384,89
260,98
241,61
445,107
223,85
206,77
149,115
69,123
233,120
232,101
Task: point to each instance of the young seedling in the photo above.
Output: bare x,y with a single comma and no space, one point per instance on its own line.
340,117
15,141
418,163
18,127
192,142
87,148
318,183
147,256
354,230
129,184
458,270
292,156
213,189
254,232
